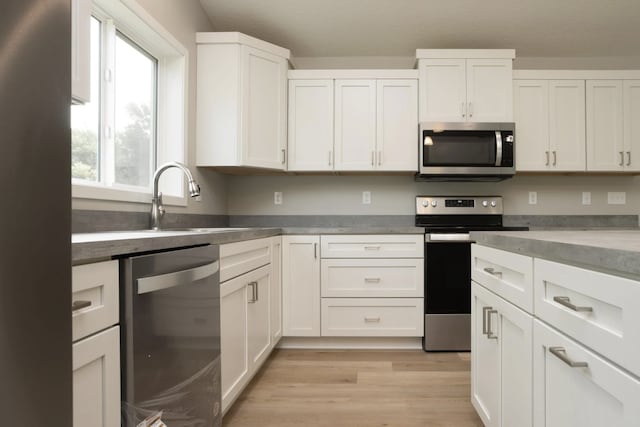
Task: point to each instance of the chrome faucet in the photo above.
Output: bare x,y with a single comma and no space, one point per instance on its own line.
157,210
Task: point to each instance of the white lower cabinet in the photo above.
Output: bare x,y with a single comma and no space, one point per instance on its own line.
574,387
96,380
275,294
245,336
301,286
501,371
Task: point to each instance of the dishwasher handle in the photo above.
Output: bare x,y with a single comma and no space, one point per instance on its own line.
169,280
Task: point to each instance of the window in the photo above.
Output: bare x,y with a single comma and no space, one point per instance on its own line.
136,116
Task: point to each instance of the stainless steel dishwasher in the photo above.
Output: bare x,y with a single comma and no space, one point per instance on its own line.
170,337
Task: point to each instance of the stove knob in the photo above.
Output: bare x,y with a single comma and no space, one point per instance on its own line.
484,203
493,204
434,203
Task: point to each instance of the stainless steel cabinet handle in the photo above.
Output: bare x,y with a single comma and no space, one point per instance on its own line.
561,354
555,158
78,305
372,248
628,158
462,110
257,288
621,158
372,319
372,279
373,158
493,272
470,109
254,292
565,301
490,334
546,153
169,280
380,158
330,157
315,250
484,320
284,156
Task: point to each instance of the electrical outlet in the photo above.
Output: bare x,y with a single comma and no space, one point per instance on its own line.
586,197
533,197
366,197
277,198
617,197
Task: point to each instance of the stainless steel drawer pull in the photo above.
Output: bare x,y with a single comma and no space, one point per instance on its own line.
372,248
79,305
484,320
565,301
372,319
254,292
628,158
561,354
621,158
555,158
493,272
372,279
490,334
169,280
547,154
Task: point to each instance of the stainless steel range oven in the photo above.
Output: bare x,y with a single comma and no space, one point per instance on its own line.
447,252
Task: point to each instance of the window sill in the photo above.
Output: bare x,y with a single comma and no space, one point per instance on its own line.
115,194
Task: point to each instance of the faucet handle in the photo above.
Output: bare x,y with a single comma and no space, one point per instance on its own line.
161,209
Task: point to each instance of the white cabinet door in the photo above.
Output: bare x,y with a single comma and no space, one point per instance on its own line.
301,286
276,290
631,95
531,113
259,316
443,92
485,359
80,51
311,109
264,109
605,147
96,380
355,124
595,395
567,125
397,125
489,90
233,339
501,360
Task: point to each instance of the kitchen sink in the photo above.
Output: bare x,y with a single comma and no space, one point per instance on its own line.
200,229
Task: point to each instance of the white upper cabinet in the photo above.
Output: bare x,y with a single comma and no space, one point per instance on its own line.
311,125
631,96
605,147
549,116
241,105
80,51
339,121
397,111
465,85
355,129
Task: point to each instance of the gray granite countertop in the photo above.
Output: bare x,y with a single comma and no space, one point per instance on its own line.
90,247
612,251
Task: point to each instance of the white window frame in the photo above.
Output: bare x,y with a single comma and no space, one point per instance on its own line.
134,21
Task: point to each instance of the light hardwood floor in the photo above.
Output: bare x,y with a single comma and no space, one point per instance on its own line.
358,388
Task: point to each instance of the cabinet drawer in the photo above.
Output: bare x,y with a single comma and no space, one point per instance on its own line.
593,396
96,380
372,246
605,314
372,317
505,273
94,288
241,257
372,277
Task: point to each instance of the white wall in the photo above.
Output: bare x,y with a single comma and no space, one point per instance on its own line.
395,195
182,19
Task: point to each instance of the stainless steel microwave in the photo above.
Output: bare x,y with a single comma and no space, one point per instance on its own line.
466,151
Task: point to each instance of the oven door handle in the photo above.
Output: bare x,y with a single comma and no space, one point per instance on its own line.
498,148
169,280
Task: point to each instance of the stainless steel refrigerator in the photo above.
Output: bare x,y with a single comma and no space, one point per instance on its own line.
35,211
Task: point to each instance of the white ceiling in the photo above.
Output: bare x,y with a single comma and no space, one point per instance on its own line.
535,28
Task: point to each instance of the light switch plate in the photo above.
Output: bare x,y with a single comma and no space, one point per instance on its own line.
586,197
366,197
533,197
617,197
277,198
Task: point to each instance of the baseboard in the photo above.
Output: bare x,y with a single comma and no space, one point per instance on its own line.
351,343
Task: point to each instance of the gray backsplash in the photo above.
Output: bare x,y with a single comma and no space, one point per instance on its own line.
572,221
90,221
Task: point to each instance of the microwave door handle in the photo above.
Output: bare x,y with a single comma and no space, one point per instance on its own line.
498,148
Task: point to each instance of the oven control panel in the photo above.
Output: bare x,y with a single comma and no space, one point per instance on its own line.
458,205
